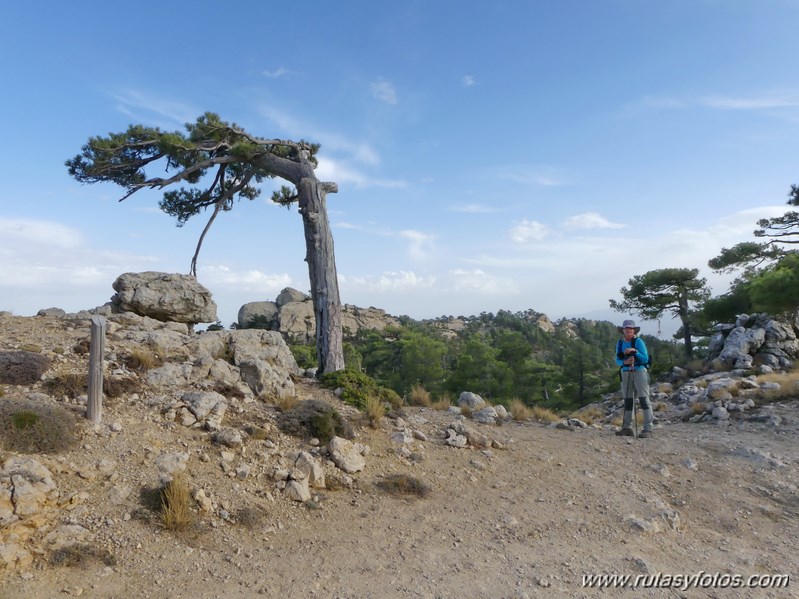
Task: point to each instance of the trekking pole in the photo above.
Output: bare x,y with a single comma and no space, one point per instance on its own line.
630,374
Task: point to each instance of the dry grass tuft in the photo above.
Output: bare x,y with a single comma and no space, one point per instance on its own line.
519,410
420,396
374,410
589,414
466,411
142,359
443,402
284,404
404,484
176,514
544,414
67,384
788,382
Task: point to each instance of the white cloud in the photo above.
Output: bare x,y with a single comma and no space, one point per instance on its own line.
384,91
225,278
340,172
421,245
528,230
277,73
25,233
468,81
387,282
478,281
590,220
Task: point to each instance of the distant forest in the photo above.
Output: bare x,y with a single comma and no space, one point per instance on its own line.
500,357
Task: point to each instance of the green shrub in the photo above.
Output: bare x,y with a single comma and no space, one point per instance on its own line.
356,387
305,355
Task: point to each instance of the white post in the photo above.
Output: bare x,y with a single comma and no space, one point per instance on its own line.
94,406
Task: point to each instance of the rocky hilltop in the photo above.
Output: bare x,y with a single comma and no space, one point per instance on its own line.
427,503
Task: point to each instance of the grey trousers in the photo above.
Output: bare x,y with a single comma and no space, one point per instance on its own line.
638,387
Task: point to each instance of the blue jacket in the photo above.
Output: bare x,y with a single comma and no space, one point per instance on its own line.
641,358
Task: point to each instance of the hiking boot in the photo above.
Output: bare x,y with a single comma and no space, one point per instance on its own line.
625,432
644,434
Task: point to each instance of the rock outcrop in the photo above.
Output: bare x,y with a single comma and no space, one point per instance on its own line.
164,296
292,315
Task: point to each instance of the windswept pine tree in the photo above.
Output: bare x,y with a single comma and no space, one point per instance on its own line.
216,163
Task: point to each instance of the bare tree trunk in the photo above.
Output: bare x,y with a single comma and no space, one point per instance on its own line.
686,328
322,271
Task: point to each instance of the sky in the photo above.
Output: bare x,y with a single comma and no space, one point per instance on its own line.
504,155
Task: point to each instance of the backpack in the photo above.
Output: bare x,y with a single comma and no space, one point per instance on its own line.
647,364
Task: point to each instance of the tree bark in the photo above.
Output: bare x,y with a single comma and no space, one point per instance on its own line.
319,256
686,328
322,272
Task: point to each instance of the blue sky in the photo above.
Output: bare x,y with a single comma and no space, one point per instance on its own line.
504,155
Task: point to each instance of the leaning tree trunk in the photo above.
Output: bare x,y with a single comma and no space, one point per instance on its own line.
322,270
686,328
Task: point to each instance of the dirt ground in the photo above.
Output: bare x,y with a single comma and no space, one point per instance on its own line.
530,520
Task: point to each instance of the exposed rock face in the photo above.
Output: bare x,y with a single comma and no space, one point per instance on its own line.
292,315
164,296
754,340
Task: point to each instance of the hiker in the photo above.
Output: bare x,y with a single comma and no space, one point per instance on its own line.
632,357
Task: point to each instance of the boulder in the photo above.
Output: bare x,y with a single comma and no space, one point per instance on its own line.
164,296
262,313
289,295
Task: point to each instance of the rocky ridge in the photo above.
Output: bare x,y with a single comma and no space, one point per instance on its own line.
289,516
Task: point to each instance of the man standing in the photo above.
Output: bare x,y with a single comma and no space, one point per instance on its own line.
633,358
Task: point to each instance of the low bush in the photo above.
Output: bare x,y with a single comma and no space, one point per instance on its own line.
80,556
34,427
67,384
356,387
404,484
314,418
22,367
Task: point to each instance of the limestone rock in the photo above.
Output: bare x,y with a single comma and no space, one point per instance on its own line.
164,296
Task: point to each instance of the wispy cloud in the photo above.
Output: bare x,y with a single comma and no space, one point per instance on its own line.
531,175
765,102
474,208
467,81
384,91
528,230
149,108
590,220
291,126
277,73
